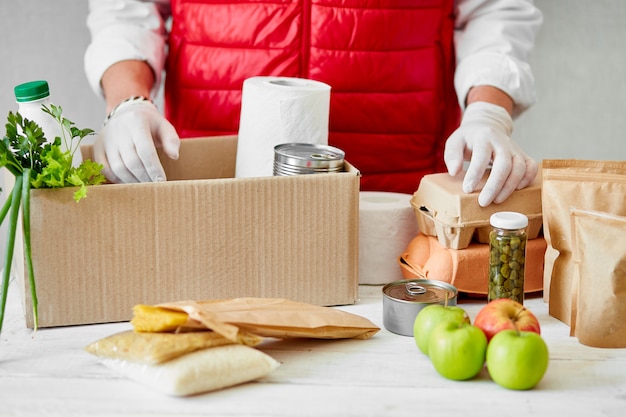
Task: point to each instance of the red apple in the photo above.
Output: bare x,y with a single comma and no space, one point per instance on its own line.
504,314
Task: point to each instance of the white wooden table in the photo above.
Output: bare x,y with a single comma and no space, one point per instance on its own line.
51,375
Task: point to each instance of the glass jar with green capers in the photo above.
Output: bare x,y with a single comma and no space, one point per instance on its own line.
507,256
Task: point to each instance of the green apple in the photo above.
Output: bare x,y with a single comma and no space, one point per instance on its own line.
457,350
432,315
517,359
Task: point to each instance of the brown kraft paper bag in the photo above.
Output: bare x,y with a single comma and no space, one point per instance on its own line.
566,185
264,317
599,306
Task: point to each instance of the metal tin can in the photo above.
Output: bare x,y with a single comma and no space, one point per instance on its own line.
306,158
403,300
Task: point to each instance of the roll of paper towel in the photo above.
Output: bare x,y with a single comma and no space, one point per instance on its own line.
387,223
276,110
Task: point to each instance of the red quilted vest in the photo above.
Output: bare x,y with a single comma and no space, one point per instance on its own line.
390,64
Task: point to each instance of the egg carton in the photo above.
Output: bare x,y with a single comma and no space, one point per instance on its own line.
443,210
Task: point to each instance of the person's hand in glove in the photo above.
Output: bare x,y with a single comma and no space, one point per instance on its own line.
127,144
484,138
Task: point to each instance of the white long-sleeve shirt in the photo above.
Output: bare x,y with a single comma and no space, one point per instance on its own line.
493,39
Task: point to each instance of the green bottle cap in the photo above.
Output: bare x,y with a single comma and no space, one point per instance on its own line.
31,91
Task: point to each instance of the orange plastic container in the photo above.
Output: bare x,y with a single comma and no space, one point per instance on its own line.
466,269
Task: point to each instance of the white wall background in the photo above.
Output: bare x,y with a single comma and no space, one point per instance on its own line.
46,39
580,67
579,64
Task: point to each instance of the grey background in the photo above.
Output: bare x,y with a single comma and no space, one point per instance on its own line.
46,39
579,64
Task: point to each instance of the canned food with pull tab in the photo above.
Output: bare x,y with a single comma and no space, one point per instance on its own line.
404,299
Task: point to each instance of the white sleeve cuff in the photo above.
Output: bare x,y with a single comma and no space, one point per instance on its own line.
136,44
510,75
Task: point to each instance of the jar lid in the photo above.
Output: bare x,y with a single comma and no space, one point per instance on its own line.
508,220
31,91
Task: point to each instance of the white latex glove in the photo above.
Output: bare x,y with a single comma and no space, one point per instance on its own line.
127,144
484,138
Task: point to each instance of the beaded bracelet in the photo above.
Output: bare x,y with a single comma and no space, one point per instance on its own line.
129,100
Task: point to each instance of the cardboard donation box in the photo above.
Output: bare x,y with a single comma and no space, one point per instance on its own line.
203,234
455,218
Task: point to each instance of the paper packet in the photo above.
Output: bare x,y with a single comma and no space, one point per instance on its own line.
200,371
599,254
567,185
154,348
265,317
